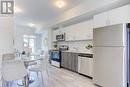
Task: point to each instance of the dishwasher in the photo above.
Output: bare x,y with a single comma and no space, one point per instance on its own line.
85,64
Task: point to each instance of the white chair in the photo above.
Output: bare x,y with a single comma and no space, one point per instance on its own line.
8,56
43,66
13,70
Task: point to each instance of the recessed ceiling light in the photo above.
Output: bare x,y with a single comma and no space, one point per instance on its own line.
60,3
31,25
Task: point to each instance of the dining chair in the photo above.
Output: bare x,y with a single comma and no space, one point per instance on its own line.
13,70
41,67
8,56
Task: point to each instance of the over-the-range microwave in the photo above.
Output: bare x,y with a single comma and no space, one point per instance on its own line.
60,37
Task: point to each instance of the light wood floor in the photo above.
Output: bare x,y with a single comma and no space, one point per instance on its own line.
64,78
60,78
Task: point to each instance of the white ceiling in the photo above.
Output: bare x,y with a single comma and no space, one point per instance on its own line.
41,11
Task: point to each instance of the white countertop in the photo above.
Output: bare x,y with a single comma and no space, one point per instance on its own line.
76,51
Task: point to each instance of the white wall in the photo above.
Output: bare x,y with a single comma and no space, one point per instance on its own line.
46,34
19,31
45,39
6,34
50,38
38,42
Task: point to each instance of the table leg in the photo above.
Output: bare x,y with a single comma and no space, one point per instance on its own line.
27,81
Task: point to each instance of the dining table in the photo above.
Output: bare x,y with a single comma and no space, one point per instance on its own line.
31,59
27,60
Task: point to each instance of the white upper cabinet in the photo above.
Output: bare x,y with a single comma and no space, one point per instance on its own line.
69,34
85,30
54,33
80,31
101,20
120,15
115,16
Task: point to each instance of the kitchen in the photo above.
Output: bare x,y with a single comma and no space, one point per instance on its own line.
83,43
75,45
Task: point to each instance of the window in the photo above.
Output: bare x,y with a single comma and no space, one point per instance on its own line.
29,42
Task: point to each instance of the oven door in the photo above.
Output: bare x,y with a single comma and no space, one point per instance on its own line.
55,56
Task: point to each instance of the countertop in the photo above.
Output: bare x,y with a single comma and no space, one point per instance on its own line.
80,53
76,51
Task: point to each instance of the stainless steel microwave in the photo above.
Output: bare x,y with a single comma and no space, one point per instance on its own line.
60,37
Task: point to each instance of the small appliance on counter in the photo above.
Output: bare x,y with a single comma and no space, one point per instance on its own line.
60,37
55,55
63,47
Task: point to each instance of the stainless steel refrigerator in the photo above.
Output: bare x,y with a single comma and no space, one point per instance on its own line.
111,56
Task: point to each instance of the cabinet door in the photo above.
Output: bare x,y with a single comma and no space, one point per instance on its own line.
74,62
100,20
86,30
70,33
64,59
120,15
54,32
80,31
68,60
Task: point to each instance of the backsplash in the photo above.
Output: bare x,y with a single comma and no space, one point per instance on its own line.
79,45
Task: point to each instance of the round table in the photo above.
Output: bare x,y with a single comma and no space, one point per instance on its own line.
28,60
